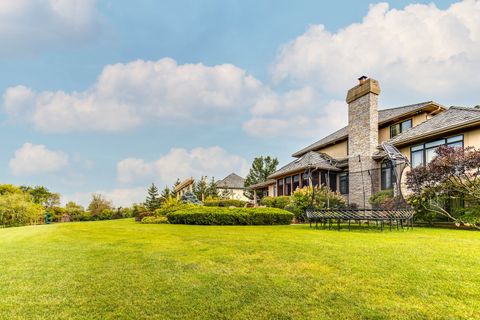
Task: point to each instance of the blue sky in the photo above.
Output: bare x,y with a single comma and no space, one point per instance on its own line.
108,96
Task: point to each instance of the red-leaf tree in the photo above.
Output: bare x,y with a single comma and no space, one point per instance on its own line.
454,173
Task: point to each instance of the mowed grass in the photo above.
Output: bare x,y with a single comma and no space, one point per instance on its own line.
124,270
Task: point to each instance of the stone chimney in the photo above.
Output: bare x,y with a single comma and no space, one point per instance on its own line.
362,140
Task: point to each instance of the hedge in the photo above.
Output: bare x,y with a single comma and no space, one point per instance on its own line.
154,220
224,203
202,215
275,202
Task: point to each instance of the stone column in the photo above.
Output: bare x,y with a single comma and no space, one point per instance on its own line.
362,140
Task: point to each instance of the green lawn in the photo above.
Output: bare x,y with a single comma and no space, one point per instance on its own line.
123,270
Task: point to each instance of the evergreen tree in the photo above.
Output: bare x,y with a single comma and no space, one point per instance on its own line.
200,188
153,199
261,168
212,190
166,193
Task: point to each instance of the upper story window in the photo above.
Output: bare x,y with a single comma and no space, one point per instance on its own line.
424,153
400,127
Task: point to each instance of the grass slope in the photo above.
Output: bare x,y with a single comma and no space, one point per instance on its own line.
123,270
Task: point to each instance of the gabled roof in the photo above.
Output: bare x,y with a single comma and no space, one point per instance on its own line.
384,116
232,181
452,119
311,159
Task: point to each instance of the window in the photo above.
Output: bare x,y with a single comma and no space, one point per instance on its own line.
315,180
305,179
400,127
280,187
333,182
387,175
288,186
344,183
296,182
424,153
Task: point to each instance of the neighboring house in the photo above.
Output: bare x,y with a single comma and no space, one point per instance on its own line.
341,159
232,186
184,187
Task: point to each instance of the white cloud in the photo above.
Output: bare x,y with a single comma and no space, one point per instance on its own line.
29,25
34,159
120,197
420,50
181,163
297,113
128,95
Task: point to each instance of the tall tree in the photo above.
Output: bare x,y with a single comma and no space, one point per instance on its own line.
166,193
98,205
153,201
261,168
212,190
200,188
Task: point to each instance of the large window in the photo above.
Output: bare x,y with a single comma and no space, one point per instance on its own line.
280,187
288,186
315,180
400,127
343,183
329,180
424,153
387,175
304,179
296,182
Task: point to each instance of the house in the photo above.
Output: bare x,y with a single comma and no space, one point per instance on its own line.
184,187
351,160
232,187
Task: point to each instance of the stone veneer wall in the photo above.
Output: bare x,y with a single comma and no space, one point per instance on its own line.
362,143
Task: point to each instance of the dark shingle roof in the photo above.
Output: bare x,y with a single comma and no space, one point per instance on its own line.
232,181
449,120
310,159
384,116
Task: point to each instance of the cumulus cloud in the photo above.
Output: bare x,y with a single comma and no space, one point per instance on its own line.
420,50
181,163
128,95
120,197
297,113
29,25
34,159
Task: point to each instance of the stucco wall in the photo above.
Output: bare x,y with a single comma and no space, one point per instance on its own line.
338,150
384,132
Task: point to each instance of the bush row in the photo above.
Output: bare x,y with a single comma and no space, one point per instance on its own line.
275,202
201,215
225,203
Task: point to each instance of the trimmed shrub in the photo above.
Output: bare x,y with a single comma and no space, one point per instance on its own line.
301,199
154,220
225,203
202,215
281,202
268,201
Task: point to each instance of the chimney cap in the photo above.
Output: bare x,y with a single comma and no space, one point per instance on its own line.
362,78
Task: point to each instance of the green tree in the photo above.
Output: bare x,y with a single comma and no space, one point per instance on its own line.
212,189
17,209
75,211
153,201
43,196
200,188
166,194
261,168
98,205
